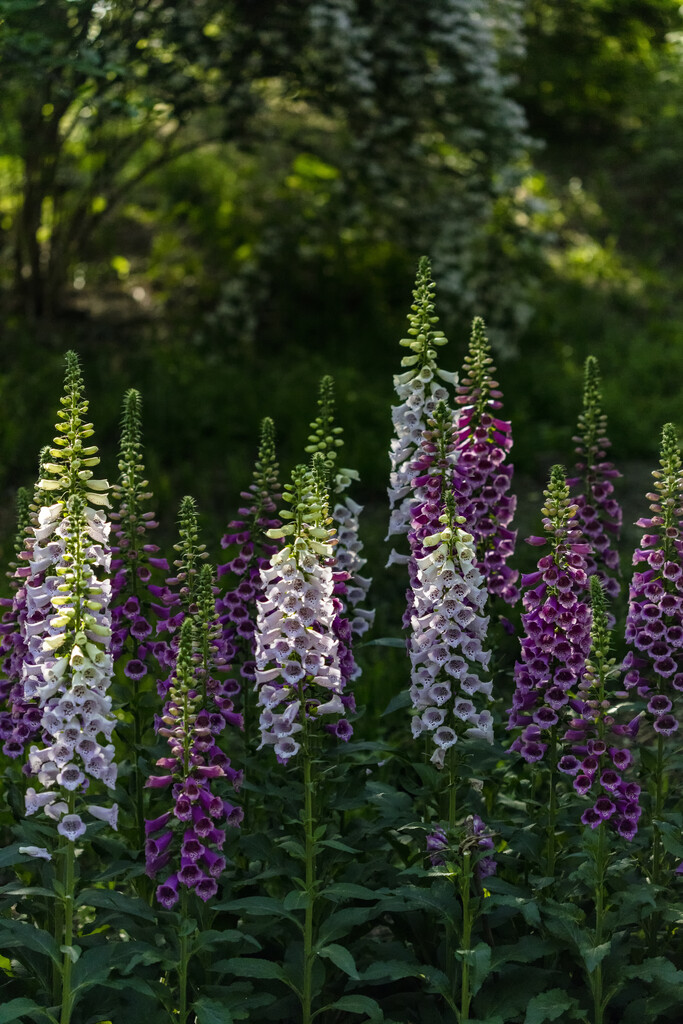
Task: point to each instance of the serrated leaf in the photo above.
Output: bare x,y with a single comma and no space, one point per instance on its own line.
244,967
210,1011
341,958
594,955
110,899
657,968
547,1006
19,933
350,891
359,1004
16,1008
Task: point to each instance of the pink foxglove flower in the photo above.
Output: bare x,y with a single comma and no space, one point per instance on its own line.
654,625
68,630
556,622
597,759
599,513
419,388
481,477
298,677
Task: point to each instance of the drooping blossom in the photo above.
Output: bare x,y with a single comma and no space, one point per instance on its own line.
556,623
251,551
419,388
68,667
194,720
596,757
654,624
476,834
134,556
599,514
448,627
298,678
481,479
19,718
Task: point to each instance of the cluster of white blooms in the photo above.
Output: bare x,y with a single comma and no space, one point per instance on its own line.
68,669
297,669
419,390
446,647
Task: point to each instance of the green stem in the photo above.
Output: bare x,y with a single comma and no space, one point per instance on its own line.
655,874
306,998
552,806
451,936
595,978
465,881
68,932
184,960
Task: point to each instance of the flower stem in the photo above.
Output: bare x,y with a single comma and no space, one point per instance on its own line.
655,873
465,881
306,998
595,978
184,960
552,806
67,933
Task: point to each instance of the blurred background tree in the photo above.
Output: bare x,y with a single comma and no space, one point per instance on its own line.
217,202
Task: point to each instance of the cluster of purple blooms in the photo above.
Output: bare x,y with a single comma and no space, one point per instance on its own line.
437,846
556,622
192,730
654,626
599,514
481,480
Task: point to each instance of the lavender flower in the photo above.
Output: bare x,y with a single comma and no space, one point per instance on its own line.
481,480
599,514
556,622
418,390
68,626
655,610
298,677
448,628
237,609
477,835
599,761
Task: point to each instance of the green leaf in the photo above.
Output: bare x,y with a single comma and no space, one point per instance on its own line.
245,967
479,960
296,900
19,933
657,968
391,970
348,891
210,1011
359,1004
207,939
73,952
339,924
548,1006
257,906
341,958
110,899
594,955
527,949
16,1008
399,700
335,844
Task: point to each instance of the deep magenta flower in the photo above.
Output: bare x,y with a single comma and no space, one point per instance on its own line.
481,478
654,665
556,621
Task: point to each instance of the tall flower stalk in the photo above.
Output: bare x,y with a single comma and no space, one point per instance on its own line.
68,640
599,514
134,557
556,622
237,607
299,680
418,388
481,479
654,628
